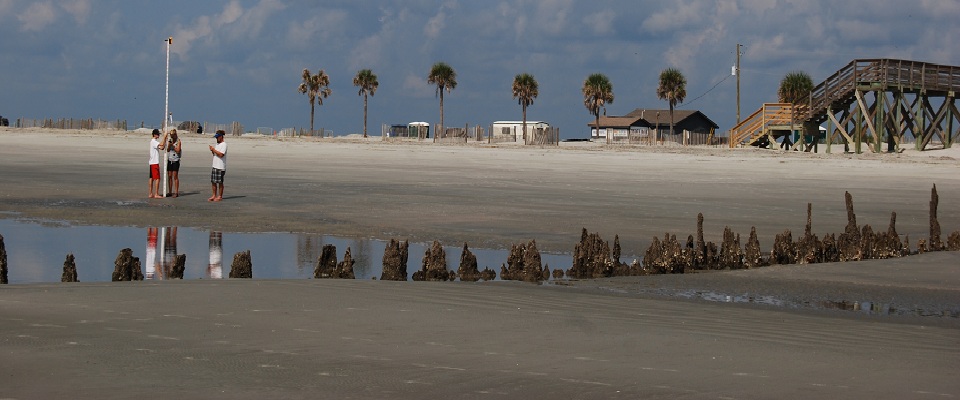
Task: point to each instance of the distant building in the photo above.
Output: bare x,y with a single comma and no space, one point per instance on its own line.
515,129
412,130
642,122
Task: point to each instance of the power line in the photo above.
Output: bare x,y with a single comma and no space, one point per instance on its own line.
708,91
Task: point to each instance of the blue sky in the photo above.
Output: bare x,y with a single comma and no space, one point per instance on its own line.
242,60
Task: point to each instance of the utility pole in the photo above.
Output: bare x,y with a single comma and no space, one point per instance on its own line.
166,111
737,71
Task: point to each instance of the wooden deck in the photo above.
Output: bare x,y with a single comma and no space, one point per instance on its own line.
872,102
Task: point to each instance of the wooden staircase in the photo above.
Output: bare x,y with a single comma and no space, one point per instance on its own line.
769,117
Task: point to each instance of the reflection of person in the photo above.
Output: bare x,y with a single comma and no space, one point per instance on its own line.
155,146
215,267
173,164
219,166
150,259
169,250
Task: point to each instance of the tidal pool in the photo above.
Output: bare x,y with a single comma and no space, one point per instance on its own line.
36,250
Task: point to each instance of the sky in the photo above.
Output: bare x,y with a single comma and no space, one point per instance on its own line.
242,60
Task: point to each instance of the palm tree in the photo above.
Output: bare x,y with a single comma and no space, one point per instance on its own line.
525,89
368,83
597,92
316,87
444,77
673,89
795,88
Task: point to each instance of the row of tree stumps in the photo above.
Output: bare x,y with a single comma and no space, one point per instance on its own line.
854,244
594,258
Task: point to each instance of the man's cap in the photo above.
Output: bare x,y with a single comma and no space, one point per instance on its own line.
156,132
218,134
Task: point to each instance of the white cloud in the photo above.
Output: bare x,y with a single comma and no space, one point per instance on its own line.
5,6
231,12
233,23
367,52
79,9
683,15
37,16
601,22
435,24
555,16
417,86
323,26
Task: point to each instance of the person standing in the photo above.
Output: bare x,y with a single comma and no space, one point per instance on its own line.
219,166
155,146
173,164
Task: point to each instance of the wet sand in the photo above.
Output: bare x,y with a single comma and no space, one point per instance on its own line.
370,339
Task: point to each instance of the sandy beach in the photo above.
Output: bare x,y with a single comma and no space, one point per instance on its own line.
610,338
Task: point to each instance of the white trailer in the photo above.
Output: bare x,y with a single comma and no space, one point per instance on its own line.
515,128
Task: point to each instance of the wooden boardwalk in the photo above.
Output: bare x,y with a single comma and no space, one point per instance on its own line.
874,102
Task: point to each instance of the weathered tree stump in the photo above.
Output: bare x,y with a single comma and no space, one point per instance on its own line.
809,247
868,243
731,255
395,261
935,243
242,266
893,246
558,273
434,265
468,270
3,262
69,270
345,268
326,267
752,255
699,260
953,241
488,274
127,267
783,249
848,243
591,258
831,253
179,266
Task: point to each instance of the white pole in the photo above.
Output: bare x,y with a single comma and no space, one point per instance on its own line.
166,111
163,247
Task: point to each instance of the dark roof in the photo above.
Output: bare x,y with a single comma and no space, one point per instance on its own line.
678,115
614,122
648,117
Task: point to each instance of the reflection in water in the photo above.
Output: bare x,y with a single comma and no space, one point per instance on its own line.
169,248
360,252
160,266
150,259
308,250
40,246
215,267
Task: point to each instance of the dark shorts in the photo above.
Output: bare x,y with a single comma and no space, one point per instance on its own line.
154,171
216,175
173,166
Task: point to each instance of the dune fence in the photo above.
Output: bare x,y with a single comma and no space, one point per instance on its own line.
71,123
